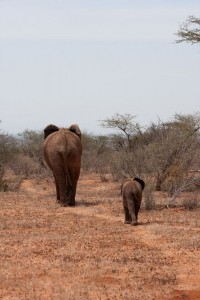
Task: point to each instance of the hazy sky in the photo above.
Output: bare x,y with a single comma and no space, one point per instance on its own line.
81,61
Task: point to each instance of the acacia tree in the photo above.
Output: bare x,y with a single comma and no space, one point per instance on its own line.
189,31
127,156
128,128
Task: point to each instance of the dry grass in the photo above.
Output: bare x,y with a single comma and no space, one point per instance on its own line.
86,252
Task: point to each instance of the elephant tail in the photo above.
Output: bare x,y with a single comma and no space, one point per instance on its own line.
63,168
121,188
68,178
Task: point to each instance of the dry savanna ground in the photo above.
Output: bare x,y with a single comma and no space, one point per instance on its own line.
86,252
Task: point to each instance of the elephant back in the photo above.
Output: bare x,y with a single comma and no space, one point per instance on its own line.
132,186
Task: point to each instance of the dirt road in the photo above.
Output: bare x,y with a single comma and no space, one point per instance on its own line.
86,252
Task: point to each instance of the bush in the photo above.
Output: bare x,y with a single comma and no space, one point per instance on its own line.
192,203
149,201
26,166
9,181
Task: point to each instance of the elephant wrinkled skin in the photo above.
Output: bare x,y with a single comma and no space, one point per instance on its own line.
62,152
131,192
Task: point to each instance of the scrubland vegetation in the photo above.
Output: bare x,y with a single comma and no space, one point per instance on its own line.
164,154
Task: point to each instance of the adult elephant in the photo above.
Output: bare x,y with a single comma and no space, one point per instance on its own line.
131,192
62,152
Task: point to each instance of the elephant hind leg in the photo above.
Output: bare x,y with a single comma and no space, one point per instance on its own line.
72,195
68,191
127,216
132,210
72,186
57,189
60,182
137,208
137,211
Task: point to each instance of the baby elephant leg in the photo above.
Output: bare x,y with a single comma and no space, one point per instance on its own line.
131,208
127,215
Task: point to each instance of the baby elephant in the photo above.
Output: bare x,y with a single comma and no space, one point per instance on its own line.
131,192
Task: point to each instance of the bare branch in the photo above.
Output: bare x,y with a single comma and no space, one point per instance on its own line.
189,31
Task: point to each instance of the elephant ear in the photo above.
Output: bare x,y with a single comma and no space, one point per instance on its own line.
75,129
49,130
140,181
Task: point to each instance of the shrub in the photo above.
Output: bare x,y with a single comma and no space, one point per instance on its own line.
149,201
26,166
192,203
